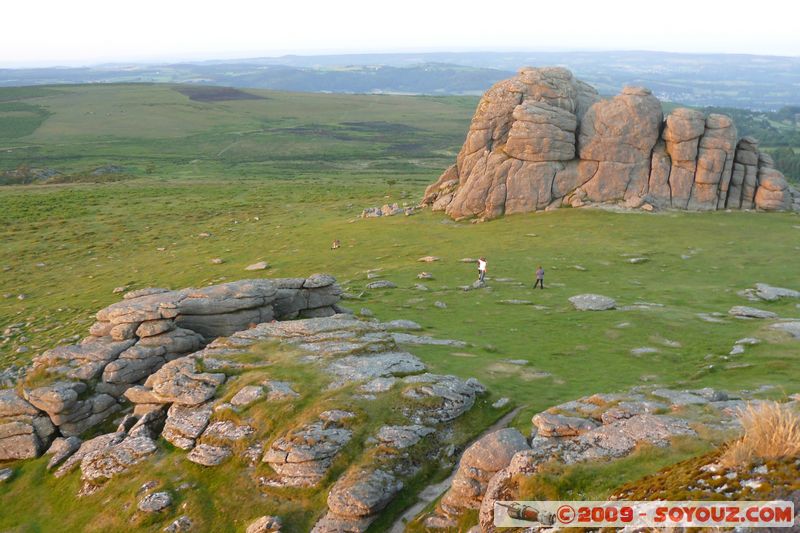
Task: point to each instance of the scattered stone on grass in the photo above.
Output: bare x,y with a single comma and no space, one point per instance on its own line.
155,502
711,318
400,437
792,328
247,395
737,349
381,284
261,265
280,390
592,302
407,338
180,525
265,524
226,431
208,455
763,291
500,403
402,324
742,311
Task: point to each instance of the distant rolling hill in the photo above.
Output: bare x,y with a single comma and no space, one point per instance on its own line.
110,132
743,81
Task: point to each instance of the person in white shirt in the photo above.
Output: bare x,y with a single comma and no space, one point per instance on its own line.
481,268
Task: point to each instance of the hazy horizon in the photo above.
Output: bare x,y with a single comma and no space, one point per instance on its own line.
246,56
90,32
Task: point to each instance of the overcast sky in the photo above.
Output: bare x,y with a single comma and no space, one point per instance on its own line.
80,32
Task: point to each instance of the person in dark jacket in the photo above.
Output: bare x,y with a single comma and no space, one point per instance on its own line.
539,278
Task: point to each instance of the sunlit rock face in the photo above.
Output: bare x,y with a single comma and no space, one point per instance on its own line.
544,139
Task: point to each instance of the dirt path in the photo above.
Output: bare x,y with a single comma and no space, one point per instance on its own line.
431,492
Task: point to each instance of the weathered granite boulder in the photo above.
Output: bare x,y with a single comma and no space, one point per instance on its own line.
744,311
302,457
682,133
141,339
154,327
401,437
24,430
619,423
361,368
181,382
185,424
592,302
454,397
279,390
553,425
96,444
355,500
135,364
225,431
155,502
773,190
71,414
265,524
209,455
84,361
12,405
176,401
771,294
541,132
182,524
18,440
620,134
792,328
247,395
543,139
61,450
522,129
108,462
478,464
715,157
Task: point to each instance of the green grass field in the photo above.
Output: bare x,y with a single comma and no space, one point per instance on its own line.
278,178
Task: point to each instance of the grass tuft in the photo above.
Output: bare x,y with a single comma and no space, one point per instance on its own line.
771,431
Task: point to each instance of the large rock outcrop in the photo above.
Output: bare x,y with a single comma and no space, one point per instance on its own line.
137,349
364,456
544,139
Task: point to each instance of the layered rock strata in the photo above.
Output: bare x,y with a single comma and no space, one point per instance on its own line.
189,401
544,139
79,386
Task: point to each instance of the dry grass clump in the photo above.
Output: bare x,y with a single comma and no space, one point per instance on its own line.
771,431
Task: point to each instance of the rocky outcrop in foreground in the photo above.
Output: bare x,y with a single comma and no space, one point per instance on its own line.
214,399
71,389
544,139
598,427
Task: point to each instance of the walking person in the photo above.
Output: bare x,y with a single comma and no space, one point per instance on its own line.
481,269
539,277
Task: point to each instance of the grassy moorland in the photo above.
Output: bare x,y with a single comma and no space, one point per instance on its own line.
277,179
